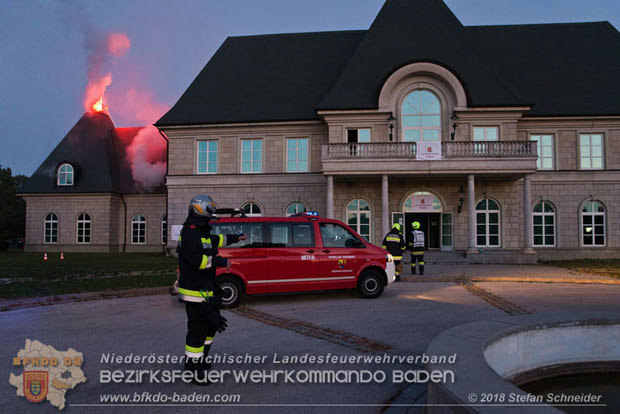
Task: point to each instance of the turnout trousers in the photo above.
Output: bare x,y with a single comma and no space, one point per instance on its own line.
199,334
417,257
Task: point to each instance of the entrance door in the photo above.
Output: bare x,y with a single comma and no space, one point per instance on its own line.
430,224
446,232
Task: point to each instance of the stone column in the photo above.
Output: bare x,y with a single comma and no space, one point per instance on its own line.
385,205
330,196
471,215
527,216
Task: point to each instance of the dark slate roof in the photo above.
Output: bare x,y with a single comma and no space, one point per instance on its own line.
407,31
562,69
97,151
265,78
558,69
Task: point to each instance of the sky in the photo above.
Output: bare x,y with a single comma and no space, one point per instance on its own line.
45,47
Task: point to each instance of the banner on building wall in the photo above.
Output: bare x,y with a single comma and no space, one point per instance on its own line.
176,232
429,150
422,202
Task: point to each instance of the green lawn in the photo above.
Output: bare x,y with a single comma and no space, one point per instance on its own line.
20,264
603,267
81,272
43,288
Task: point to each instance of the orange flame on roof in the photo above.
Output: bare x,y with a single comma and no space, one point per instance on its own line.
94,94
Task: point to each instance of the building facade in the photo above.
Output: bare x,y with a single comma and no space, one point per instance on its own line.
502,141
524,141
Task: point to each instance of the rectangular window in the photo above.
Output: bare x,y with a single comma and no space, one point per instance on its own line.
253,232
251,155
83,232
51,232
297,155
164,230
334,235
207,157
486,133
544,146
359,135
591,151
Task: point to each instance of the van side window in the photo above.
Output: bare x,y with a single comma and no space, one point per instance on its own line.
291,234
334,235
253,231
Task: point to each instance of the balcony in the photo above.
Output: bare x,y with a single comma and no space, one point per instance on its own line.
493,158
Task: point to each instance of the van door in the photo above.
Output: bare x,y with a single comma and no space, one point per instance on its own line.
293,264
248,257
341,256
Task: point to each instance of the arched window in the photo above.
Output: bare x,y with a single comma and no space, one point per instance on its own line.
421,116
138,229
65,174
295,208
543,216
593,223
164,229
487,223
358,217
252,209
50,234
83,229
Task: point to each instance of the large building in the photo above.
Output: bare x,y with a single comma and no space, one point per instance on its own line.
83,197
503,141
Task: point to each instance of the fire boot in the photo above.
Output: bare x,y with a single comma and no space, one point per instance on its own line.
199,374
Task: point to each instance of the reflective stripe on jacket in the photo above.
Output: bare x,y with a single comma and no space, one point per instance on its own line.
417,240
394,243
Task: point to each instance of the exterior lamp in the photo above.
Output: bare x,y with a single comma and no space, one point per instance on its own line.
454,118
391,120
461,194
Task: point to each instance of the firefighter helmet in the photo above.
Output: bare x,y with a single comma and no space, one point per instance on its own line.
202,205
396,226
415,225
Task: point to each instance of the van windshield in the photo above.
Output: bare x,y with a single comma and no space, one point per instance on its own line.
253,231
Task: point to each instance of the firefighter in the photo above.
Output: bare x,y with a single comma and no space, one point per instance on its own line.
416,246
394,243
198,259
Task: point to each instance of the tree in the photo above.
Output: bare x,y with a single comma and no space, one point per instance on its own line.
12,207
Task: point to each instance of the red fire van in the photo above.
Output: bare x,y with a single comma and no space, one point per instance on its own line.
299,253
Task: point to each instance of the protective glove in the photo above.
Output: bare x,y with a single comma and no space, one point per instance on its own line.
211,312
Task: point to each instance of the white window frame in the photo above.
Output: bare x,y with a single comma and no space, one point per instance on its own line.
539,146
358,214
217,148
251,214
346,137
164,229
51,221
252,151
70,172
590,157
297,159
544,214
86,232
485,132
438,128
138,222
296,204
593,214
487,234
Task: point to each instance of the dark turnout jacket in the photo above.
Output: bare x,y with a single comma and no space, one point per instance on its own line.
198,258
394,243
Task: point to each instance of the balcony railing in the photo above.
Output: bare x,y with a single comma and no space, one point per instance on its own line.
454,149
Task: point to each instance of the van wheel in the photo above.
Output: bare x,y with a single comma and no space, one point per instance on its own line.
231,291
370,284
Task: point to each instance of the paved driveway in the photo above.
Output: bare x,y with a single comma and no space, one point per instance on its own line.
402,322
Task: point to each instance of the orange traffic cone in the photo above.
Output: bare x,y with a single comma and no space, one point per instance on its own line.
62,256
45,257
